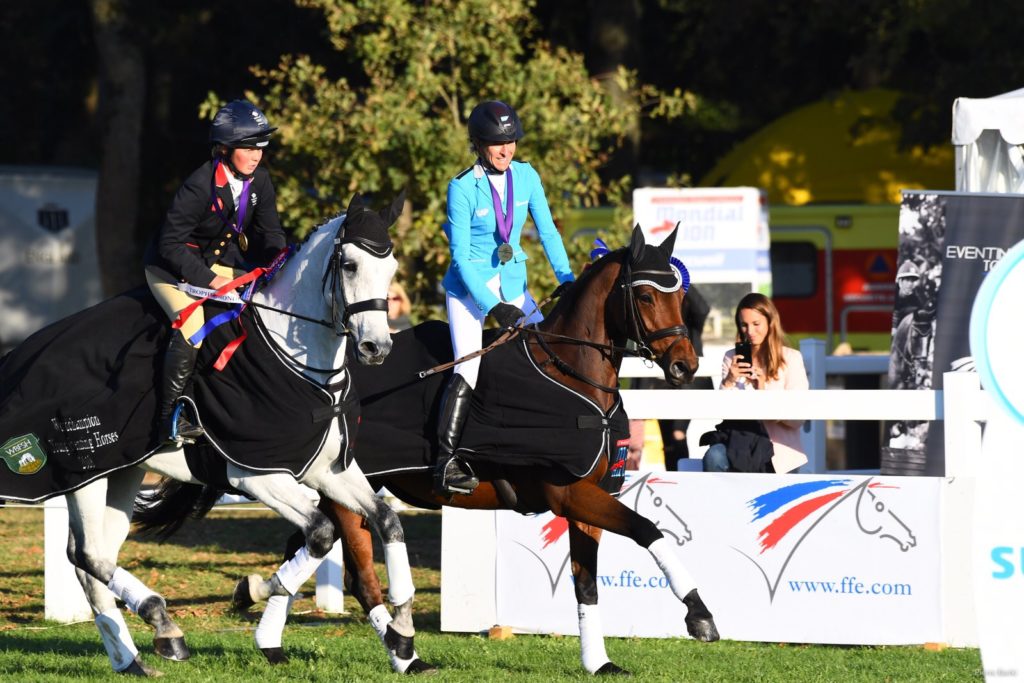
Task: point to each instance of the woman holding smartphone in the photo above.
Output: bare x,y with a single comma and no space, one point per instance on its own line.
761,361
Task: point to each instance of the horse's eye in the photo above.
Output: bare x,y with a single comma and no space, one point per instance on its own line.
646,298
349,267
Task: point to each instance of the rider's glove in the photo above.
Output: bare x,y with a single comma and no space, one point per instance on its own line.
506,315
561,289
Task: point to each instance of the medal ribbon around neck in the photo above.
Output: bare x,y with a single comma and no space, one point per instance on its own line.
243,203
504,218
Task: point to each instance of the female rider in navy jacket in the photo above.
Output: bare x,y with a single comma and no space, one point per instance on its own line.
487,206
222,222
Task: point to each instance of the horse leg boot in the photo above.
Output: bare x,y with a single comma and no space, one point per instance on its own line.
699,622
179,362
451,474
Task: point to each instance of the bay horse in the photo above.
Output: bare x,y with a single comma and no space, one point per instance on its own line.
331,288
629,294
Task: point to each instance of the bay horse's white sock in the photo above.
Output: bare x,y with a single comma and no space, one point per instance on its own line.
275,615
678,578
132,591
297,570
591,638
396,561
116,639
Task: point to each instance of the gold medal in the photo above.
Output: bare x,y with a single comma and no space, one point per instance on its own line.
243,241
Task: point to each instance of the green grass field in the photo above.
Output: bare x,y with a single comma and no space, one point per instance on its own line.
196,572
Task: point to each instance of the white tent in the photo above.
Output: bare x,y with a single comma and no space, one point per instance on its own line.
986,135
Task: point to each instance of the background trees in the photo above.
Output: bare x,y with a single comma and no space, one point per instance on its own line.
374,94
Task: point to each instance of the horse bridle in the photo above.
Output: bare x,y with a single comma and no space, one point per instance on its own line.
341,311
636,331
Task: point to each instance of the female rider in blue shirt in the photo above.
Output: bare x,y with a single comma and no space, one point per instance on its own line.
487,206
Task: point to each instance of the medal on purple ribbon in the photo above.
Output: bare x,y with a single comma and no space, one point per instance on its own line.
504,217
505,252
243,241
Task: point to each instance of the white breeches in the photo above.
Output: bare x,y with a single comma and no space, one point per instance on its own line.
467,325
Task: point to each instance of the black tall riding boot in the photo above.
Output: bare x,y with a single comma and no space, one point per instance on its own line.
451,474
179,361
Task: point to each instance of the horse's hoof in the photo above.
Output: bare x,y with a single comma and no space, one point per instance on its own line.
418,667
241,599
138,668
274,655
610,669
172,648
703,629
699,622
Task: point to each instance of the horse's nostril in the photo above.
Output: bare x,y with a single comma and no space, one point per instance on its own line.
368,348
678,370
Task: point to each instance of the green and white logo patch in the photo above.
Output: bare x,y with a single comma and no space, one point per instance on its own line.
23,454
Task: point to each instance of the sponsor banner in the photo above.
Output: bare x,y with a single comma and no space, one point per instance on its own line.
48,259
799,558
948,243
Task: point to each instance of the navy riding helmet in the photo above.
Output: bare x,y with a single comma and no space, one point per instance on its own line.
494,121
240,124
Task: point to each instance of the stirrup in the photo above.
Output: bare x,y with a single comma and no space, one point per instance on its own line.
461,481
174,437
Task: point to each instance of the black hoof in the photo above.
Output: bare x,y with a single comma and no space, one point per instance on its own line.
610,669
274,655
699,622
172,648
138,668
241,599
418,667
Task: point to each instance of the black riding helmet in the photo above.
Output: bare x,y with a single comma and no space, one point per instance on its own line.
494,121
240,124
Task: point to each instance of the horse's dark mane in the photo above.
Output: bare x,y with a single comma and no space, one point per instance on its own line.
567,302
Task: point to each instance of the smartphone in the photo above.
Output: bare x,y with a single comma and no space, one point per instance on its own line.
743,349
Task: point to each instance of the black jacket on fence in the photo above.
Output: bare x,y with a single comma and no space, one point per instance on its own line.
747,445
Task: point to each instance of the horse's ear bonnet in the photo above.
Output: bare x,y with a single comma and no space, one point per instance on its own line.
655,266
368,229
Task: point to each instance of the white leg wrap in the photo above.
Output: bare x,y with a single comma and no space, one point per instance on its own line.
678,578
275,615
379,618
128,588
297,570
396,560
591,638
116,639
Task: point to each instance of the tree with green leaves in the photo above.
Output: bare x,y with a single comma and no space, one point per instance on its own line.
422,67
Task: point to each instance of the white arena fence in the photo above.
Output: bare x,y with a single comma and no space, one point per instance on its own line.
962,405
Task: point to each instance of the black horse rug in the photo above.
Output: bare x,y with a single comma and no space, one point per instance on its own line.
519,416
78,400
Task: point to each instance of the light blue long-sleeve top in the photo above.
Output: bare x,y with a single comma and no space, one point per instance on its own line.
474,239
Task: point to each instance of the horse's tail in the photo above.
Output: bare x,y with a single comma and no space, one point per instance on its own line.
164,509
